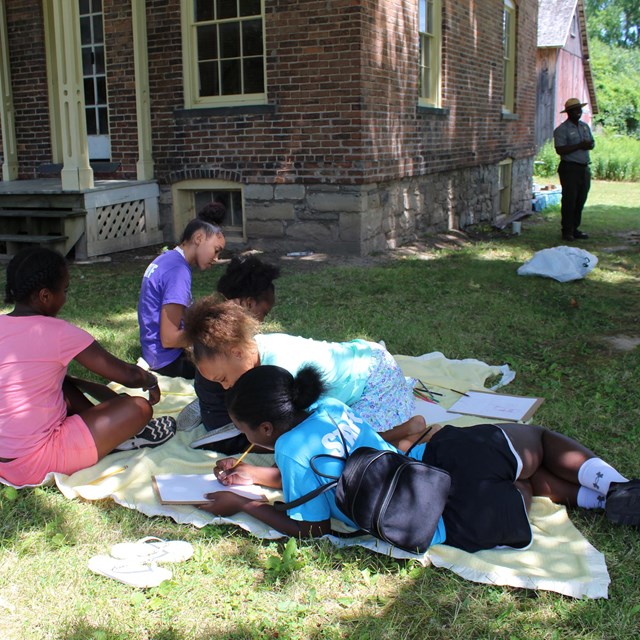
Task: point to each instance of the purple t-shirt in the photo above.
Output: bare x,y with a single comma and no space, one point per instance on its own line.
167,280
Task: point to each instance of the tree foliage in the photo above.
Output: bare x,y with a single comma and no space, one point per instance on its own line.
614,22
617,80
614,29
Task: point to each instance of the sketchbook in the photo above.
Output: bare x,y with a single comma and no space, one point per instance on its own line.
494,405
172,488
223,433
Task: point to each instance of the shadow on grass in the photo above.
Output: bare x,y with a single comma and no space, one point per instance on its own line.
27,512
86,631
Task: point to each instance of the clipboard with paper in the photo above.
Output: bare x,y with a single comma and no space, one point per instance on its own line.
485,404
191,488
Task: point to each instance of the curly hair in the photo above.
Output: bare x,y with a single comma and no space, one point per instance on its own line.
247,277
213,213
214,328
31,270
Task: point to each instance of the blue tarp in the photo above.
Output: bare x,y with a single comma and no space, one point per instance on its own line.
543,199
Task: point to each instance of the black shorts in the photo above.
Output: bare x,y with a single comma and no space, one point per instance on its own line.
484,509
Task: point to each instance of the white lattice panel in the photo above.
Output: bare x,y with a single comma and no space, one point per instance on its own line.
121,220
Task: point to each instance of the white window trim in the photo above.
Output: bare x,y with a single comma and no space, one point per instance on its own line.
192,99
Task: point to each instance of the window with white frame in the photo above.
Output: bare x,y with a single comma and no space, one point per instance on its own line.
509,54
430,34
223,52
94,78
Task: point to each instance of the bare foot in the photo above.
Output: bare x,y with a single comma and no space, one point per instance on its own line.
414,426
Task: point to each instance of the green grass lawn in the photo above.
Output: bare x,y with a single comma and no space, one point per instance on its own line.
464,302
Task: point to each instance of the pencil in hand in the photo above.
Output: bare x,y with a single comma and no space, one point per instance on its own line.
241,458
226,472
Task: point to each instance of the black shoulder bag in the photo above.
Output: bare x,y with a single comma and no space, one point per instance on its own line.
387,494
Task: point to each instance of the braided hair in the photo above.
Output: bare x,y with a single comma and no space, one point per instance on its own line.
31,270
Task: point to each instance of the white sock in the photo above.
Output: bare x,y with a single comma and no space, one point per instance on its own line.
590,499
598,475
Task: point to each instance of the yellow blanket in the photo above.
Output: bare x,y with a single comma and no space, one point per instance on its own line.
560,558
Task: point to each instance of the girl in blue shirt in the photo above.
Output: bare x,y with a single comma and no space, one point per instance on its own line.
495,469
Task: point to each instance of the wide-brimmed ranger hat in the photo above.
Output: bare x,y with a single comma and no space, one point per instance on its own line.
572,103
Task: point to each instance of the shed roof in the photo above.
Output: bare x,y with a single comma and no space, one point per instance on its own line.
554,21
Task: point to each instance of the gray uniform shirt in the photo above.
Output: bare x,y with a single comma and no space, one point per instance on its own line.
569,133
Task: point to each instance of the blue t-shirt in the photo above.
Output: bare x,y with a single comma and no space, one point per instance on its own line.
316,435
167,280
345,366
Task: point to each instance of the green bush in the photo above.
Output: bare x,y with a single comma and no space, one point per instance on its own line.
546,162
615,157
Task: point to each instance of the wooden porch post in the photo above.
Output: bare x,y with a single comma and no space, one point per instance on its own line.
144,166
7,121
76,173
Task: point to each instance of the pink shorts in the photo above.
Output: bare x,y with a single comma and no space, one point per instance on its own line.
69,448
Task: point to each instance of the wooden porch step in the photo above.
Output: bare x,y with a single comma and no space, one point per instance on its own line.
42,213
28,239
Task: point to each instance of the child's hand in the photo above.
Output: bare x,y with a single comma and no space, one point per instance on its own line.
152,387
224,503
154,395
228,473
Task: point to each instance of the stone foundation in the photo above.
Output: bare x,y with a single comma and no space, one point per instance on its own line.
363,219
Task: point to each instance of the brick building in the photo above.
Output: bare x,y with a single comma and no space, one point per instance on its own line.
342,125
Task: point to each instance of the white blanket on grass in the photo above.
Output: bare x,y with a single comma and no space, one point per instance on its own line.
560,558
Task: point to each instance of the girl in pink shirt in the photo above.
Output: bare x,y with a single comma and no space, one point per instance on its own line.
47,423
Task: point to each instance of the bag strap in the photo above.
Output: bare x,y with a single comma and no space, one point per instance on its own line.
424,435
285,506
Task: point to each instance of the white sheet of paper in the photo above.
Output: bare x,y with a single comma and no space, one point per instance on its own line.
495,405
191,488
433,413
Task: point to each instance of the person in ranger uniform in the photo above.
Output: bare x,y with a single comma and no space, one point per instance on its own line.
573,140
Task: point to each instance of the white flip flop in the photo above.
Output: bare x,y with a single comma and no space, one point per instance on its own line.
134,574
151,549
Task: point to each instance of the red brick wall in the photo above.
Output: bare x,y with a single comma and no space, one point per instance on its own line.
123,128
473,131
343,85
342,93
313,71
25,33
